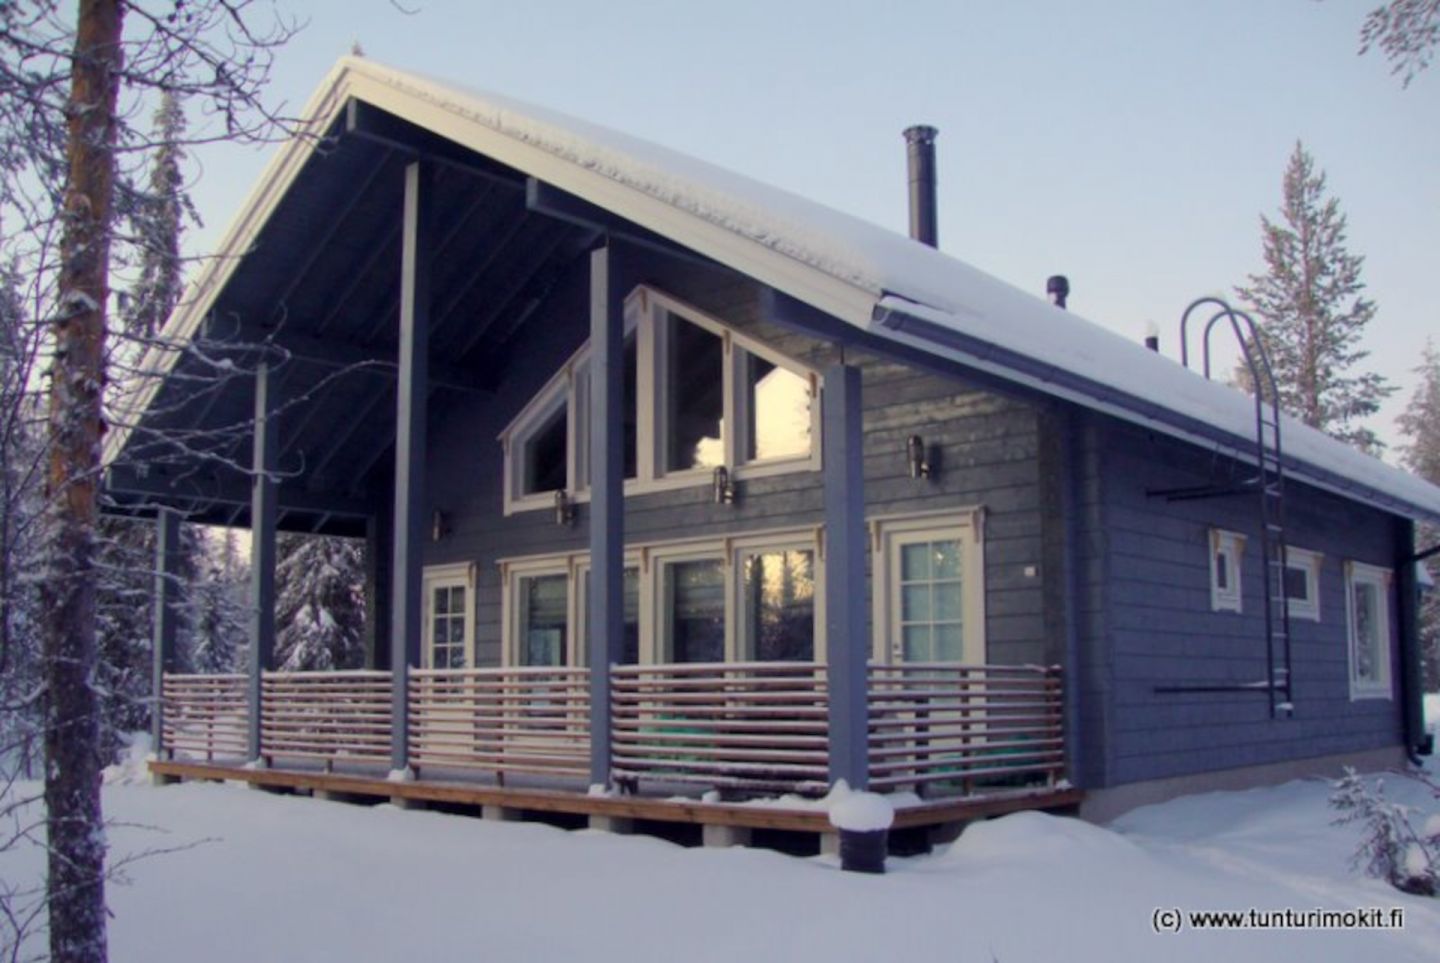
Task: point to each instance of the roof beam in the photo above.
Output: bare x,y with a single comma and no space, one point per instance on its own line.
210,489
368,122
542,198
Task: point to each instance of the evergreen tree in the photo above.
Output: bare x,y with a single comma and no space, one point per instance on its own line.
320,606
1420,424
220,609
1313,310
159,218
1407,32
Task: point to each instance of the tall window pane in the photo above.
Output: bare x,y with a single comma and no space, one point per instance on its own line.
778,409
448,613
542,619
543,456
629,415
630,642
931,601
1367,632
694,397
694,610
779,605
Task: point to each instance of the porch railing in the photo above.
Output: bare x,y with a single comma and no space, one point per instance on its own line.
744,725
204,716
329,716
961,727
759,726
530,720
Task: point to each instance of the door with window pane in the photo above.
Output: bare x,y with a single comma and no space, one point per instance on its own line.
447,627
692,610
543,619
630,638
927,597
777,596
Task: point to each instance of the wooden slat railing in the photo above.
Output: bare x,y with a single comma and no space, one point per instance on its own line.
960,728
530,720
204,716
330,716
751,725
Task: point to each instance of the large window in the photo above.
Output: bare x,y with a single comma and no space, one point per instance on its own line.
743,598
697,396
449,592
929,587
1367,591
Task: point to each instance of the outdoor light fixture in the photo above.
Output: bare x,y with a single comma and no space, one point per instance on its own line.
724,488
439,525
564,509
918,458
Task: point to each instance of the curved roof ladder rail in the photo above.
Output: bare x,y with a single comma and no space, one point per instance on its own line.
1269,481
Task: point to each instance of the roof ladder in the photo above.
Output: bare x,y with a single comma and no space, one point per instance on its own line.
1268,484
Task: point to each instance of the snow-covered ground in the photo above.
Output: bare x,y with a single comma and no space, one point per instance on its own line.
278,877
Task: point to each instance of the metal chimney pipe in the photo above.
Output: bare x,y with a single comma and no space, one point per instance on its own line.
920,150
1058,287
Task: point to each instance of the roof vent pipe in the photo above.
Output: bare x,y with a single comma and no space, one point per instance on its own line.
920,150
1058,287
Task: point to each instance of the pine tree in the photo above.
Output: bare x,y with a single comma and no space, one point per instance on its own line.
320,608
1420,424
1313,311
220,609
159,222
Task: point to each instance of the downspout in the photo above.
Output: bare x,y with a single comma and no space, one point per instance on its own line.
1417,742
1072,480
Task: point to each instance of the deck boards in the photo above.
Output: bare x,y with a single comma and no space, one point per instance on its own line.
747,816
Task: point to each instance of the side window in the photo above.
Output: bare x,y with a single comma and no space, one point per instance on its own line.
1302,583
542,619
1367,599
1226,551
449,603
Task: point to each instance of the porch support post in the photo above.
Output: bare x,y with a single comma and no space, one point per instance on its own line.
167,558
263,516
607,499
845,597
409,523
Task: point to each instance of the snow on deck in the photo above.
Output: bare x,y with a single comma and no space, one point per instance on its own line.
258,876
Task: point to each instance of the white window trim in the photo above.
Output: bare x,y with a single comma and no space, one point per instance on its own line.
1381,578
1228,599
458,574
1309,563
645,309
886,533
649,559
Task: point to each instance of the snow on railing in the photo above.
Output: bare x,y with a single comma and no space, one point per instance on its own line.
745,725
960,728
329,716
203,716
532,720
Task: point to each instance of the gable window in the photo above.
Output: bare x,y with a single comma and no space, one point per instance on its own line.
696,396
1226,551
929,593
1367,600
1302,583
449,592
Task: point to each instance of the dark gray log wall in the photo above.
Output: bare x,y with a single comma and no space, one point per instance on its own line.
1149,621
988,456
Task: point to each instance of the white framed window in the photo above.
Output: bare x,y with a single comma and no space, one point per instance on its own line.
1302,583
928,583
697,396
756,597
1367,609
449,631
1226,551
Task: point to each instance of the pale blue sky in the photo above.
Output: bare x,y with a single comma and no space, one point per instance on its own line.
1130,144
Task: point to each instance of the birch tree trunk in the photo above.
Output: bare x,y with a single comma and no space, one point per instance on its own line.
76,887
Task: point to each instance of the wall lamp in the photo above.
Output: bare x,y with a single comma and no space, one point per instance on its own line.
724,487
917,456
564,509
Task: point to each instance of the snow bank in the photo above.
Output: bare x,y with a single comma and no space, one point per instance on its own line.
862,812
132,769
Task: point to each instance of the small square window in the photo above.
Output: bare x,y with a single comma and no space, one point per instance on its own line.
1302,583
1226,551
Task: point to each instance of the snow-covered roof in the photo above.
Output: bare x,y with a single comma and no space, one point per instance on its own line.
879,281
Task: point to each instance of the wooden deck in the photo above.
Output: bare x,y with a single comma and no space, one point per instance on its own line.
940,812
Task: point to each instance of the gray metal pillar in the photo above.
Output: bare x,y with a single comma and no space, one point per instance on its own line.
1407,618
417,247
263,515
167,558
846,638
607,499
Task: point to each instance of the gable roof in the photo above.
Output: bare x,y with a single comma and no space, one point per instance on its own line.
878,281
